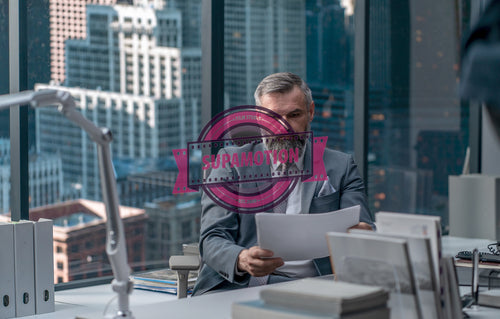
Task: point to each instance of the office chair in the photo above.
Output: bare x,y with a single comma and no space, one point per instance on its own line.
183,264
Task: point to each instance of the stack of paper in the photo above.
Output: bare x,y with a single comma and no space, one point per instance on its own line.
163,280
316,298
302,236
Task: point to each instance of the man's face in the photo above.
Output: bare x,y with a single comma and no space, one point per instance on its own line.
292,107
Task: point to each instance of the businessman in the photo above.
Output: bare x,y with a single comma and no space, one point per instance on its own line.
228,241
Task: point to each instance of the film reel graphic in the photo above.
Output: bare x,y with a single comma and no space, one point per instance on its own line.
226,140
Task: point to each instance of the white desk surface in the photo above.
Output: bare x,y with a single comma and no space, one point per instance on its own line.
90,302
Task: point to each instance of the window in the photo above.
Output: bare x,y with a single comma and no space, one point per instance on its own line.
314,41
418,129
110,78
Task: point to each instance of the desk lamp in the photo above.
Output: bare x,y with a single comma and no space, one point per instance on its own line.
115,239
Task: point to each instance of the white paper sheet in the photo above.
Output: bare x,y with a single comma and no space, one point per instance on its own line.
302,236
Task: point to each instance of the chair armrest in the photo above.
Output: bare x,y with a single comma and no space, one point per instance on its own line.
183,264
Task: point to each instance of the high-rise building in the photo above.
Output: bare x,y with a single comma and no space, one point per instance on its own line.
415,115
327,42
142,128
191,22
139,181
45,175
133,50
68,20
261,37
334,115
329,71
172,221
131,75
401,189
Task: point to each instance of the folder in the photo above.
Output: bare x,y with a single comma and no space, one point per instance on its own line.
7,285
44,266
24,268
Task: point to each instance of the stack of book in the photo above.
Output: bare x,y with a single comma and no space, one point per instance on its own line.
162,280
316,298
404,256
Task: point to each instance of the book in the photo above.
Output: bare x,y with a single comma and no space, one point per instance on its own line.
259,309
404,224
370,259
162,280
452,290
490,298
424,225
44,266
7,285
24,273
324,296
427,284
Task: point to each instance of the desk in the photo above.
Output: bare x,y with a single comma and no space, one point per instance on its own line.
90,302
93,299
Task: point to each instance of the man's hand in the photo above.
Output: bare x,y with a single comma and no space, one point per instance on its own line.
258,262
362,225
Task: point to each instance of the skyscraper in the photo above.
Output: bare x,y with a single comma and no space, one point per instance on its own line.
261,37
67,21
130,74
329,71
45,174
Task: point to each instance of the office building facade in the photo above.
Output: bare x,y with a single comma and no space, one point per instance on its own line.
142,128
131,75
261,37
45,175
68,20
172,222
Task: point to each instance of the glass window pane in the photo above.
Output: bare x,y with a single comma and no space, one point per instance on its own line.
311,38
135,69
418,129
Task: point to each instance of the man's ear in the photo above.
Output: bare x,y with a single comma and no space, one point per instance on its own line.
311,111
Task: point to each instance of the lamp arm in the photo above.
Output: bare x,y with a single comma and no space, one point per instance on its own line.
116,247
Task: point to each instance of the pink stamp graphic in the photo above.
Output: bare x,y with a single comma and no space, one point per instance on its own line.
248,159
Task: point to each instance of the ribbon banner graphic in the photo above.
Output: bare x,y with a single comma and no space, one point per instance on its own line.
248,160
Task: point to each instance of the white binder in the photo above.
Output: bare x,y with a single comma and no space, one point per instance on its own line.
44,266
24,272
7,286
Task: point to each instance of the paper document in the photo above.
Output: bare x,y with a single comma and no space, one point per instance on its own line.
302,236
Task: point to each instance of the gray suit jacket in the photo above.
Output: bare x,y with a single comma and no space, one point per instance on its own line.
225,234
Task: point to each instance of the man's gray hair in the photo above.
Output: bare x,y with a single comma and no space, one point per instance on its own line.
283,82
